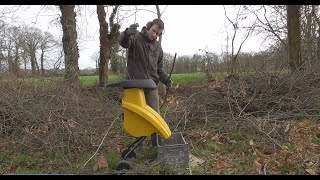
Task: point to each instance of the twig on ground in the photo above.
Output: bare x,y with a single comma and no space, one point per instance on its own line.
265,168
100,143
206,118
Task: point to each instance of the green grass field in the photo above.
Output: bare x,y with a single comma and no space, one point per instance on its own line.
178,79
94,80
182,80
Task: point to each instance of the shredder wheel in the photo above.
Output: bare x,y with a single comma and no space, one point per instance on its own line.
124,165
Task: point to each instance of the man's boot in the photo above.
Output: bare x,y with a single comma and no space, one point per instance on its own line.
154,139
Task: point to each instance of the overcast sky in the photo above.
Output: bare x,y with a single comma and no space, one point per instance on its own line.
188,28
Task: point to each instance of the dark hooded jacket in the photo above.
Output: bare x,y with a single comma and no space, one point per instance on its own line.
145,57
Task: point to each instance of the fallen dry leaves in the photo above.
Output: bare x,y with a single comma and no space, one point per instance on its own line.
311,171
101,163
303,154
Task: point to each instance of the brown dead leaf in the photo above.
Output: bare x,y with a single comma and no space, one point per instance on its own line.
221,164
195,134
12,169
309,164
215,137
311,171
257,167
261,158
268,151
305,124
171,100
195,161
100,164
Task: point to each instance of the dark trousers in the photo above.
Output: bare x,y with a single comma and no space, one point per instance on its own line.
152,99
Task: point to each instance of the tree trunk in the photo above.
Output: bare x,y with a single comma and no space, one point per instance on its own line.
32,60
1,60
24,57
318,45
10,64
70,46
41,61
314,13
104,50
308,46
107,40
294,39
16,62
37,65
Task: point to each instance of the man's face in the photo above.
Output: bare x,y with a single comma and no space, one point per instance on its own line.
154,32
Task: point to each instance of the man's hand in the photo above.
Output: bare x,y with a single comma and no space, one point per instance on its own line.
132,29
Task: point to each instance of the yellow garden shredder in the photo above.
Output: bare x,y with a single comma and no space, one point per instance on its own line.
140,120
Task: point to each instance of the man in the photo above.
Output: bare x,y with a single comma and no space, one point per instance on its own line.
145,59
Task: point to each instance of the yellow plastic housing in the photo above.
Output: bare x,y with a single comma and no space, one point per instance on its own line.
139,118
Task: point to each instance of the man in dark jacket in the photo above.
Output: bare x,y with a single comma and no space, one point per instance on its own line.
145,59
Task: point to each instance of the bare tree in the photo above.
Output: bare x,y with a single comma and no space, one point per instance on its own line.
24,55
46,44
271,21
235,25
17,38
32,40
167,60
106,41
123,60
2,37
115,58
58,62
69,40
294,39
272,27
306,34
317,19
9,48
196,59
95,56
11,43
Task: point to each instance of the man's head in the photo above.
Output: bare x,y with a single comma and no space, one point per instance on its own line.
155,28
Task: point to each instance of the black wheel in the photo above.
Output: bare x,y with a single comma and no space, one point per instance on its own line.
131,155
124,165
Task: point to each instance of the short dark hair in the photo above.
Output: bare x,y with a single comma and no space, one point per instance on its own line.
158,22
